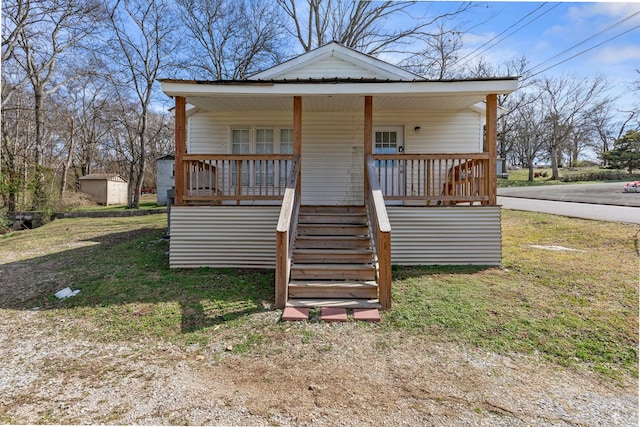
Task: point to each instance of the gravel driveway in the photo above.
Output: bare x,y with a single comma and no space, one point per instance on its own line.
47,376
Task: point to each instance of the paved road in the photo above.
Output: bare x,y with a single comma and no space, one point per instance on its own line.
600,194
603,202
578,210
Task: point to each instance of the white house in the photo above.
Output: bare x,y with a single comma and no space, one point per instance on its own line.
329,168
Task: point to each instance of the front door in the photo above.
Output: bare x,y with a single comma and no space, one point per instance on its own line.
389,140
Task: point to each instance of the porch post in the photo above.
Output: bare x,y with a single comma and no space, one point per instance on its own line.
368,137
180,138
491,130
297,136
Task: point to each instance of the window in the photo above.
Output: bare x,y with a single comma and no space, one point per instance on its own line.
286,147
261,140
240,141
286,141
264,169
240,144
264,141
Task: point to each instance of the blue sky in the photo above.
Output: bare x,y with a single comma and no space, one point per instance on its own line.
563,25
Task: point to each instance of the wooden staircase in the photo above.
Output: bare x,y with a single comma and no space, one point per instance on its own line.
333,262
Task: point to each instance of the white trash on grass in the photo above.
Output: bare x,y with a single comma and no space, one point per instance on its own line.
67,293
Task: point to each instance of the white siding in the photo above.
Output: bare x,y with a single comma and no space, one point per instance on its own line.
446,235
440,131
209,131
223,236
331,67
332,159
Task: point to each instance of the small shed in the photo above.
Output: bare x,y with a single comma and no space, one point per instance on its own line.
105,188
165,177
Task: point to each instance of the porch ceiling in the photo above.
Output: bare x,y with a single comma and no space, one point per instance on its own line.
323,103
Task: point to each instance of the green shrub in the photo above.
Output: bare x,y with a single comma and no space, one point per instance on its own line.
602,175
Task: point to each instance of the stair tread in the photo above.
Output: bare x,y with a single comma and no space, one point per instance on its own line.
334,283
339,237
333,213
309,266
325,225
332,251
332,209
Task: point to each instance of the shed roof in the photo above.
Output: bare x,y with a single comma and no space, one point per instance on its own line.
104,177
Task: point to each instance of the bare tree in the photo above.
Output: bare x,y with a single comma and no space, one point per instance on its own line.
526,135
52,29
142,41
565,101
18,131
362,25
602,127
15,17
439,55
82,124
230,39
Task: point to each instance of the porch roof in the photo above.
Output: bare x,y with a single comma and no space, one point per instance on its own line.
336,94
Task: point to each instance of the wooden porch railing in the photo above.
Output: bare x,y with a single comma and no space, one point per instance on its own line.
381,229
434,179
214,178
285,232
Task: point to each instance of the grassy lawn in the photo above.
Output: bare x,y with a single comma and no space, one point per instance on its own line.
147,201
574,307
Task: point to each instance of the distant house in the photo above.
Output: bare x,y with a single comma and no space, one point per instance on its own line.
332,166
105,188
165,177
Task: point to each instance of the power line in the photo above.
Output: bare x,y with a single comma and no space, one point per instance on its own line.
489,45
507,29
584,41
584,51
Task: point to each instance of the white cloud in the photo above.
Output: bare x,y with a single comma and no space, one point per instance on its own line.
606,9
543,45
558,30
473,40
617,54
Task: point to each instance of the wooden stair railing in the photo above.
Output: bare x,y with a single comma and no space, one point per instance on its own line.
285,233
381,233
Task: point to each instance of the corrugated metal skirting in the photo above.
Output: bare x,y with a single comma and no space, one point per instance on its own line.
223,236
445,235
245,236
